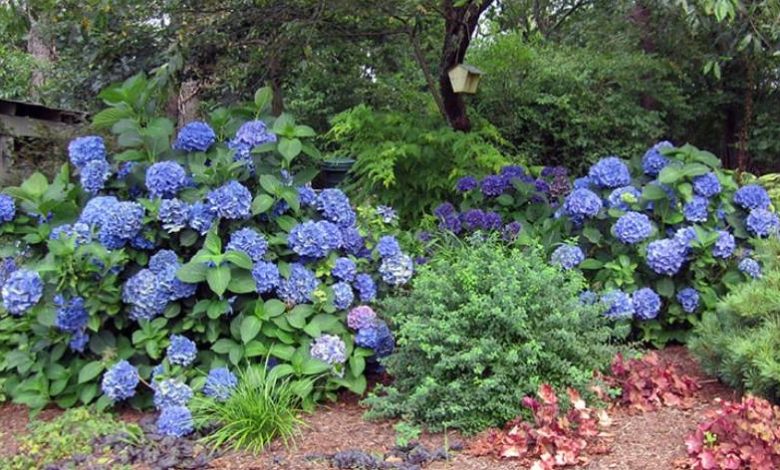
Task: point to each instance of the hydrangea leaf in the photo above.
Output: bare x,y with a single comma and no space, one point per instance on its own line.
261,204
218,279
90,371
250,327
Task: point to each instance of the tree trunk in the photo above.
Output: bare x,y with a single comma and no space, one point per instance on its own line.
42,51
277,101
459,25
187,102
641,16
743,157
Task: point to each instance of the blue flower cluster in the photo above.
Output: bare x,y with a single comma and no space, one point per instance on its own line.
762,223
72,317
83,150
220,384
334,205
181,350
396,270
299,286
750,267
647,304
632,228
330,349
120,223
388,246
360,317
314,239
752,196
609,172
249,241
622,198
195,136
706,185
250,135
666,256
144,295
174,215
344,269
467,183
80,232
230,201
342,295
165,179
493,185
7,208
21,291
201,217
653,160
387,214
376,336
688,299
266,277
618,304
582,203
175,421
365,286
171,392
724,246
697,209
119,382
567,256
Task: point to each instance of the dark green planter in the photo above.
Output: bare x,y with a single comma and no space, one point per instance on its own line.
334,170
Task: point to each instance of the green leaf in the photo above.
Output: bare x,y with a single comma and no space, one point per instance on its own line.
223,346
262,203
218,279
270,183
88,393
284,125
357,364
304,131
322,322
312,366
505,200
263,97
653,192
192,272
297,316
241,282
695,169
591,264
239,258
109,116
274,308
286,222
216,308
290,195
281,370
213,243
670,174
255,348
592,234
282,351
665,287
90,371
289,148
250,327
36,185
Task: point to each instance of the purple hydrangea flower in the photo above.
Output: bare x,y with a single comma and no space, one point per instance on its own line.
387,213
344,269
750,267
72,316
360,317
387,246
309,239
306,196
473,219
299,286
201,217
619,304
511,230
94,175
397,270
665,256
365,286
7,208
724,246
342,295
493,185
334,205
377,337
492,221
467,183
582,203
144,295
175,421
174,214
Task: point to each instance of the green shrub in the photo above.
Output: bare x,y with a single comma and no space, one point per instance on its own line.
739,342
571,105
411,160
74,432
484,326
263,407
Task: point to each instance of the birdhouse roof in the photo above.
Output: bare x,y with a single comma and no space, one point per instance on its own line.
471,69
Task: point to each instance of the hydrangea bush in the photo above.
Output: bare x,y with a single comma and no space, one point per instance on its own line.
660,237
194,251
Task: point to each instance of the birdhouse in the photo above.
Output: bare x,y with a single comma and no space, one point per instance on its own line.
464,78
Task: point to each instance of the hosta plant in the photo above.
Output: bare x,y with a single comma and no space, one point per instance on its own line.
176,253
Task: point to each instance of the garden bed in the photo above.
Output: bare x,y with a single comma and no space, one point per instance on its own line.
650,440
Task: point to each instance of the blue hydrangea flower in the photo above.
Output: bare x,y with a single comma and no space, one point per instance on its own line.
173,288
181,350
762,223
467,183
510,173
330,349
306,196
511,230
352,241
144,295
249,241
706,185
686,236
582,203
342,295
688,299
94,175
377,337
220,384
697,209
22,290
619,304
309,239
125,169
266,276
752,196
492,221
162,260
750,267
622,198
7,208
83,150
201,217
250,135
724,246
365,286
333,204
96,208
647,304
653,161
665,256
588,297
123,220
78,341
141,242
72,316
610,172
230,201
119,382
493,185
360,317
583,182
388,246
171,392
344,269
165,179
174,214
195,136
567,256
299,286
387,213
397,270
473,219
632,228
175,421
7,267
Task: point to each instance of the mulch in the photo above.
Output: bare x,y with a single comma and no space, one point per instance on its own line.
637,441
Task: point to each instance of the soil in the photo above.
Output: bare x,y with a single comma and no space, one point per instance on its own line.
636,441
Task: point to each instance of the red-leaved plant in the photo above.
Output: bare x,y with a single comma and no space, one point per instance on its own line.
553,439
647,383
737,435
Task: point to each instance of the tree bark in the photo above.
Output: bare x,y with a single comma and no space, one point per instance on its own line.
459,25
43,52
